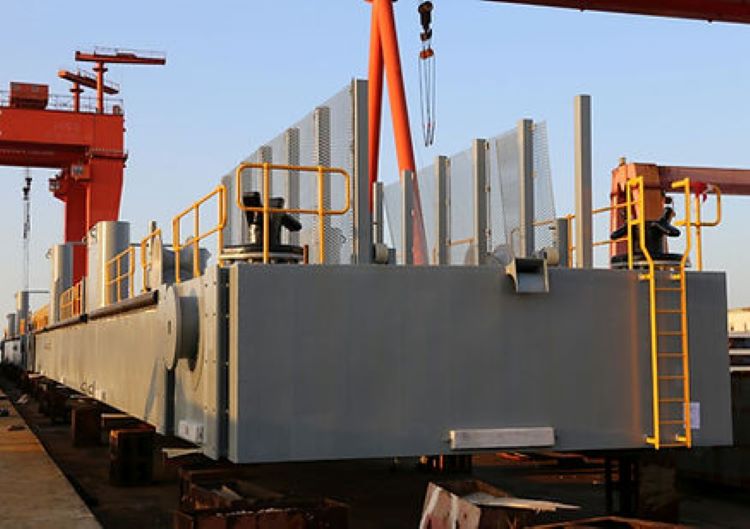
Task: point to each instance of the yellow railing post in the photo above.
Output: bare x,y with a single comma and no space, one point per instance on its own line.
266,213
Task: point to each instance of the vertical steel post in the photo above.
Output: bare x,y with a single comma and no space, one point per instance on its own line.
561,234
377,207
481,227
407,217
322,127
442,170
526,186
583,172
291,138
361,178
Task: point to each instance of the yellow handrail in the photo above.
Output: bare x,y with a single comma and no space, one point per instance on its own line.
40,319
145,261
221,192
266,208
699,225
71,302
119,277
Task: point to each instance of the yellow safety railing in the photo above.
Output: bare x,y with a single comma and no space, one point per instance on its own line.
628,205
698,224
40,319
71,302
118,275
267,210
145,260
221,193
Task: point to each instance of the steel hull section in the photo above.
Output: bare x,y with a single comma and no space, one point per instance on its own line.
118,360
356,362
289,363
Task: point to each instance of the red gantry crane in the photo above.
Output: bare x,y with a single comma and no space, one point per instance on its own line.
87,147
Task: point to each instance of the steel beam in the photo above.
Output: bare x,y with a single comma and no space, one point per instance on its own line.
407,218
526,186
583,172
442,172
481,192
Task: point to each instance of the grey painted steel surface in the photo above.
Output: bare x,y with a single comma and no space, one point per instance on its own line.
562,242
361,200
583,172
442,168
62,277
105,240
407,217
481,195
200,383
526,186
12,352
352,362
119,360
377,208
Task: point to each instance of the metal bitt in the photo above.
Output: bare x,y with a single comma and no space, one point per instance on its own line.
407,218
583,172
442,168
481,191
526,186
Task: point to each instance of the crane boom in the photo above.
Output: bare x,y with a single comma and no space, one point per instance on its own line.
737,11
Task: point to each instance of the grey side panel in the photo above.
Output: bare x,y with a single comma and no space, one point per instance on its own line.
118,360
354,362
200,384
709,361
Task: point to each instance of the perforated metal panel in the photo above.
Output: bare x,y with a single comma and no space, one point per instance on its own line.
502,166
324,137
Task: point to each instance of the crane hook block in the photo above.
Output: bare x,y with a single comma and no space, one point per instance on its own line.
425,14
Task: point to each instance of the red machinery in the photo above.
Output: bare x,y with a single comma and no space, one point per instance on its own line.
87,147
657,183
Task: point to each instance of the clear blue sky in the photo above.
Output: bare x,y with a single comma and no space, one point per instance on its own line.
664,91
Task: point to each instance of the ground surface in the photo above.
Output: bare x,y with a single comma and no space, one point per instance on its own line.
381,494
34,494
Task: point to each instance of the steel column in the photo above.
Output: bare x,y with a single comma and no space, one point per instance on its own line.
407,217
583,172
322,156
562,227
442,168
377,205
291,138
481,191
361,177
526,186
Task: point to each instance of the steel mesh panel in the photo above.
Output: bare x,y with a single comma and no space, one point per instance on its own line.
507,167
328,140
503,208
544,199
340,235
427,183
461,210
392,207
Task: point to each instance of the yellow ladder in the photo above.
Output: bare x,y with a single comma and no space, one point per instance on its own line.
670,359
669,355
